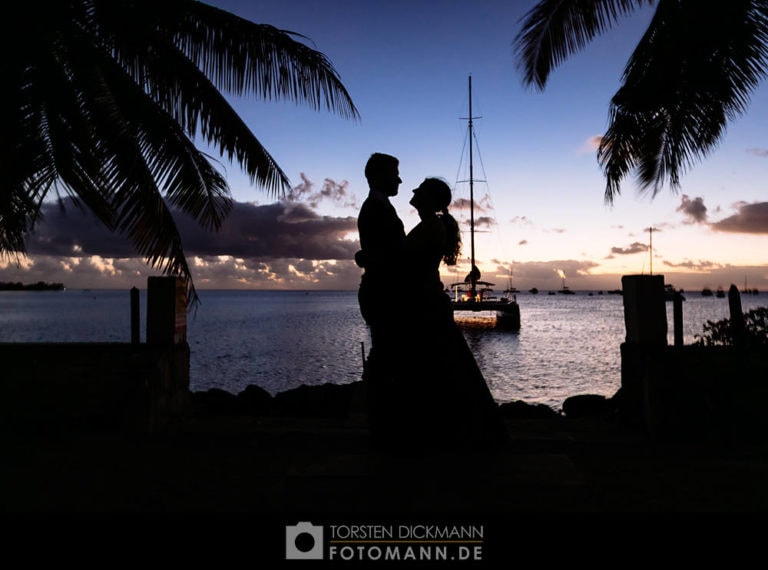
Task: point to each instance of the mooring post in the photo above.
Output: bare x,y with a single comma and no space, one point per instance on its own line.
677,317
135,316
166,311
737,316
645,313
645,319
167,340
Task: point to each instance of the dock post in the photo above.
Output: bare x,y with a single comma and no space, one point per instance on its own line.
166,310
645,318
135,316
737,316
677,317
645,313
167,335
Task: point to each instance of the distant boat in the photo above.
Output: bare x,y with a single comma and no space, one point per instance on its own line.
720,293
670,292
706,292
565,290
511,289
747,290
533,291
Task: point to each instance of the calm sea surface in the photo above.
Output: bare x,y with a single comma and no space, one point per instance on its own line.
278,340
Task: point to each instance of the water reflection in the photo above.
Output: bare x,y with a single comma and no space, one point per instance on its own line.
567,345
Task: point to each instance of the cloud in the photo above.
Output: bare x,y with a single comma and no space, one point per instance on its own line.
592,143
460,208
227,272
86,272
763,152
286,244
482,223
481,205
521,220
694,210
280,230
335,192
635,247
545,273
701,265
660,227
749,219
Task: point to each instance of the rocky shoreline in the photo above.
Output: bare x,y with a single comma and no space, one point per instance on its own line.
305,454
341,400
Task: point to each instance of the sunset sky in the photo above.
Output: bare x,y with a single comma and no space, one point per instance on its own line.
405,64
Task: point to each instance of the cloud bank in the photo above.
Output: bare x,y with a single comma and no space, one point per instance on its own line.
748,219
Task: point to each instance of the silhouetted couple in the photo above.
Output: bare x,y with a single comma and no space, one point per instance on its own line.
424,387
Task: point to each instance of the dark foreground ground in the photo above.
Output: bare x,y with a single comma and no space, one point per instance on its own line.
559,489
293,468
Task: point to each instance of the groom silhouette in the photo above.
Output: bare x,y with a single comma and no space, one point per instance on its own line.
382,241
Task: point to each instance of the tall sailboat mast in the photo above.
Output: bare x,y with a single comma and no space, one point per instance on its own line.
472,273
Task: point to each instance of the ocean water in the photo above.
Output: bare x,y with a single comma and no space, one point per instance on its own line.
567,345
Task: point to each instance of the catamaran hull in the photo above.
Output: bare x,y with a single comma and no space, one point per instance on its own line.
507,315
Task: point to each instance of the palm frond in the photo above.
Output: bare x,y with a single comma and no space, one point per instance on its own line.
692,72
178,87
242,57
553,30
129,120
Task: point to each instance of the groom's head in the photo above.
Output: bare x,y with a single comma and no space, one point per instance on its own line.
383,173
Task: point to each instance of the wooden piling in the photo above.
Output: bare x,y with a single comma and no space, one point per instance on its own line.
677,317
135,316
166,310
737,316
645,312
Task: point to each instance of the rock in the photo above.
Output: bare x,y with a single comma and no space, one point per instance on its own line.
586,405
255,401
324,400
523,410
216,401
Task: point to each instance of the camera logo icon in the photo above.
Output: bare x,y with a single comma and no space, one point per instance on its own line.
304,541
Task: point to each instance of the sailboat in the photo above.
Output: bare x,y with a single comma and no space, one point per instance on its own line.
565,290
510,288
747,290
474,297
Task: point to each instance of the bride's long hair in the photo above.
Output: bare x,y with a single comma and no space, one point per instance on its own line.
441,193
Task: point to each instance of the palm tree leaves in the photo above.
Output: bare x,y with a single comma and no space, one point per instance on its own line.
241,57
107,96
692,72
553,30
